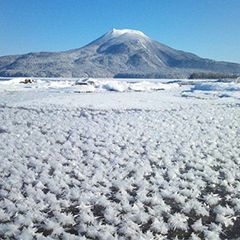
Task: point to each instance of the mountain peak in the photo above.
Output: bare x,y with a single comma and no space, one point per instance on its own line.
118,32
120,35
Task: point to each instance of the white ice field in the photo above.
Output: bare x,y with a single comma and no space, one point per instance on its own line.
119,159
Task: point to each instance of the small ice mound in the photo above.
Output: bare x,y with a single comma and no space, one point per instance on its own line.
26,81
216,87
87,81
81,81
237,80
58,84
150,86
116,86
85,88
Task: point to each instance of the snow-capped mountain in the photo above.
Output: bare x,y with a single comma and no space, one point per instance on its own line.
118,53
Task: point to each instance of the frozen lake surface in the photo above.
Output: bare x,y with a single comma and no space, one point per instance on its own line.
113,159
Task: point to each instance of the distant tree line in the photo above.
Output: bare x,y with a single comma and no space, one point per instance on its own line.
212,75
148,75
196,75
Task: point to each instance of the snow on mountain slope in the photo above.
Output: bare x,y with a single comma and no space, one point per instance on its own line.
126,33
117,32
120,53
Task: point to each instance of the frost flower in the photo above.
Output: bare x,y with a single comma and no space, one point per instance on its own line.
178,221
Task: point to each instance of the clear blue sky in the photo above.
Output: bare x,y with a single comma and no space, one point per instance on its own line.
209,28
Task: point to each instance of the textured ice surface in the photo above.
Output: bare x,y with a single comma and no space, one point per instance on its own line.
163,166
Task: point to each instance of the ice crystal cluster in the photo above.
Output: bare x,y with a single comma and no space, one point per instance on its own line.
75,173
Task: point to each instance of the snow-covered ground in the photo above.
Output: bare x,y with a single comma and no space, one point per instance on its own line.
126,160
